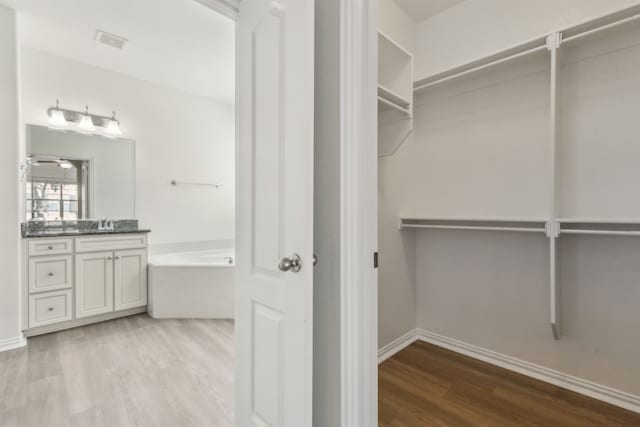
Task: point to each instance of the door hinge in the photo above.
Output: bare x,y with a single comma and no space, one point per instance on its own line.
375,260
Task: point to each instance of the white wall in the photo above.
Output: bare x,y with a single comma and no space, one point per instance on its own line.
396,282
178,136
475,28
9,161
395,23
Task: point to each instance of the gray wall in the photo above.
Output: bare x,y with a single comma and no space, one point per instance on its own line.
491,290
9,163
480,149
326,296
396,274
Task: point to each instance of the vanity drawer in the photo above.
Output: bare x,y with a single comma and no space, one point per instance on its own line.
50,273
50,246
111,243
49,307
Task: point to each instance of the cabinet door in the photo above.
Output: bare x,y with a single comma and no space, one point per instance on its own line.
94,283
130,278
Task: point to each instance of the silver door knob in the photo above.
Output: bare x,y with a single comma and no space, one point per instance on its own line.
294,263
50,308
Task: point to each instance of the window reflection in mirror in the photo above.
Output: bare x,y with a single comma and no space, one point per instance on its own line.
56,189
74,176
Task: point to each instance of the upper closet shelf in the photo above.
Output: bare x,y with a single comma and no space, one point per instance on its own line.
387,99
526,225
602,227
395,95
583,226
539,44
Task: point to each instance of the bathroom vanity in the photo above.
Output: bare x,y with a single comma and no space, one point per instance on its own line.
81,277
76,268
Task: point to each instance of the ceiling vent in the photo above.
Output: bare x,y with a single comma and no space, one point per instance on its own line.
110,39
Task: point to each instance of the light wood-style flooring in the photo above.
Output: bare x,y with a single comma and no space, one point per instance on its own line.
425,385
134,371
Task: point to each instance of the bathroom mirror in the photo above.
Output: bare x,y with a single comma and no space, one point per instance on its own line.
73,176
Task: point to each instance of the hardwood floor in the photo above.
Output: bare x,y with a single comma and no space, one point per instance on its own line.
134,371
425,385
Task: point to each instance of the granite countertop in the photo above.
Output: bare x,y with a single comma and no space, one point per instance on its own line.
85,227
67,233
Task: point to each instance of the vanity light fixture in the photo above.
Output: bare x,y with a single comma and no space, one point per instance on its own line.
83,122
86,124
113,128
57,120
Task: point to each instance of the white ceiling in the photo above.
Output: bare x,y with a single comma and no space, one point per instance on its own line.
420,10
178,43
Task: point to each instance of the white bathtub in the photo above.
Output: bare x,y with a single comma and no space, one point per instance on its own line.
197,284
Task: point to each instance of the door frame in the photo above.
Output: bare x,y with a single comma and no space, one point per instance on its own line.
359,212
358,207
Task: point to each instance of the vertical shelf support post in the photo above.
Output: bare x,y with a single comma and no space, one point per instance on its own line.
552,230
553,226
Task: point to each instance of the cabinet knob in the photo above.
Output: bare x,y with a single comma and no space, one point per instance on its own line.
50,247
109,258
50,308
117,257
51,274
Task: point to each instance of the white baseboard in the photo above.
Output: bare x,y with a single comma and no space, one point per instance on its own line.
569,382
566,381
397,345
11,343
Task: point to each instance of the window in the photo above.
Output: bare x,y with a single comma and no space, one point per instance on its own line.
56,190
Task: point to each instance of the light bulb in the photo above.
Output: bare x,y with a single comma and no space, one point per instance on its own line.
86,124
113,128
56,119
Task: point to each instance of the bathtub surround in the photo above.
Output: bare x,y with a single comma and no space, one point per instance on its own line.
76,227
195,282
195,246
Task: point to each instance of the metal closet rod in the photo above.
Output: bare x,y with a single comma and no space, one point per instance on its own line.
477,224
475,227
601,232
572,33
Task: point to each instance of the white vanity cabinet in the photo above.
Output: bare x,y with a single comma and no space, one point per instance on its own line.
94,283
79,280
130,278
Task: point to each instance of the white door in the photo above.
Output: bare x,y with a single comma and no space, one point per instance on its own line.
275,213
130,279
94,283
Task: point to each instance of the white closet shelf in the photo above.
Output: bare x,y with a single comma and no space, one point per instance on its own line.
392,97
587,28
596,220
385,105
526,225
602,227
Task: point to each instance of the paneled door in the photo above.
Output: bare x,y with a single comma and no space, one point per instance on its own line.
275,213
94,283
130,279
